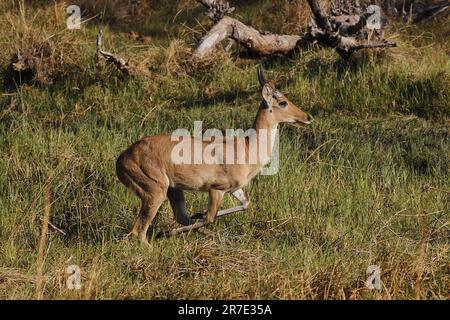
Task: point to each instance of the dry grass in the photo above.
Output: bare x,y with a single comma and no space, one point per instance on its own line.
48,53
42,246
367,184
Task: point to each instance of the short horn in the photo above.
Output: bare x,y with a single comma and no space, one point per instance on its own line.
262,80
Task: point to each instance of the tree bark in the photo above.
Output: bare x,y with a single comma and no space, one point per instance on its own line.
248,37
344,32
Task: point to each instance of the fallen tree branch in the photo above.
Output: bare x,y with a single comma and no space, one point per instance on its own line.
345,32
248,37
121,64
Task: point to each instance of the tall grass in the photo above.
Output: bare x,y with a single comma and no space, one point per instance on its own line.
367,184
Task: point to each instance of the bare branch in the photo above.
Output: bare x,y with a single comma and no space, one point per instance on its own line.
321,19
207,3
248,37
217,9
386,44
121,64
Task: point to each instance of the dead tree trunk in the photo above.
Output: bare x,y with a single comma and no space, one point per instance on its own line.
248,37
339,30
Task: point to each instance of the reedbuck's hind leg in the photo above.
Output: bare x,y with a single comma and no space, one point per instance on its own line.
149,207
178,204
149,184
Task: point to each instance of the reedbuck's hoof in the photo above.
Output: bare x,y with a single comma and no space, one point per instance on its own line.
134,239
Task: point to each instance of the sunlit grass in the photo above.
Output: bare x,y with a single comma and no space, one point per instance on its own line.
366,184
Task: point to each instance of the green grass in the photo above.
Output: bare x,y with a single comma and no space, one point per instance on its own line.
367,184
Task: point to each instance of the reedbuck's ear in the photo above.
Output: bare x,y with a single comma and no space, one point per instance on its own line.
267,93
267,89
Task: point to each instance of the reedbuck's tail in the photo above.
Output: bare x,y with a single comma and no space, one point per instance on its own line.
131,175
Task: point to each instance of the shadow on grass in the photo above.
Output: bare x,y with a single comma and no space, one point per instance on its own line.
426,96
317,67
227,97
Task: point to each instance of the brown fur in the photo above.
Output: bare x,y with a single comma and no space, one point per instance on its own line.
146,167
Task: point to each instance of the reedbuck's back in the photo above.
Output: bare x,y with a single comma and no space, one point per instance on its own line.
157,167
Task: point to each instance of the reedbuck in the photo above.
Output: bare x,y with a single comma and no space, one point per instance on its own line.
148,168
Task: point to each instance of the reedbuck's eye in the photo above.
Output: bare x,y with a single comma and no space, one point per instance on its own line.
283,104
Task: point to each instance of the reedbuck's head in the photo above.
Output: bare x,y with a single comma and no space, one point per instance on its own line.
280,108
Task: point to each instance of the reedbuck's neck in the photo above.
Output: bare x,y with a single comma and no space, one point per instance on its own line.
266,129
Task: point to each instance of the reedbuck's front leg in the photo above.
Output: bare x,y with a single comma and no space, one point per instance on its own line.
242,197
213,206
